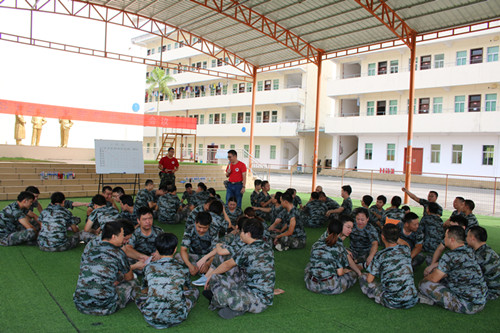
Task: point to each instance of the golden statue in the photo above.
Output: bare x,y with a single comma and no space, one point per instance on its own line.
19,131
38,123
65,126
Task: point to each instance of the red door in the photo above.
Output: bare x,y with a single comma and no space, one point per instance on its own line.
417,157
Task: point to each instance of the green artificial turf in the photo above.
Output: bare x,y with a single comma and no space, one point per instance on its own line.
36,291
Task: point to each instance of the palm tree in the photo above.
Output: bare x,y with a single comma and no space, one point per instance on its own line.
158,81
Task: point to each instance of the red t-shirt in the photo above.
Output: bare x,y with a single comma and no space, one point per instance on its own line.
169,163
237,170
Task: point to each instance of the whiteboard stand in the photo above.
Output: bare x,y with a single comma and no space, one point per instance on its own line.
136,183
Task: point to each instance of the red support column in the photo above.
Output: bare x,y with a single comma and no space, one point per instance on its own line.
411,107
316,123
252,117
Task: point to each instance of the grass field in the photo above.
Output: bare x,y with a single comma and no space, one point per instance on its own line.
37,287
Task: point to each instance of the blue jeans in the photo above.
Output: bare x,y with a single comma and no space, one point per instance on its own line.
234,190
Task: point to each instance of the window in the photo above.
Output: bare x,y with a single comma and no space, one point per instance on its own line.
224,89
382,67
233,118
488,154
474,103
368,151
476,56
200,149
391,151
265,118
169,47
276,84
370,108
235,88
416,64
164,48
272,153
217,118
232,146
492,54
423,105
258,117
149,52
249,87
241,88
223,118
240,117
459,103
267,85
222,146
260,86
439,61
435,153
246,148
148,146
152,51
219,62
491,102
211,118
257,151
393,106
380,108
274,115
159,49
394,66
456,154
461,58
425,62
247,117
214,63
201,119
176,45
437,105
204,64
371,69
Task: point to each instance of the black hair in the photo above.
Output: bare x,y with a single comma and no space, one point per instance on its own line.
171,188
390,232
334,230
24,195
460,220
216,207
322,194
165,186
278,196
211,190
254,227
188,185
462,199
382,198
361,210
203,218
171,148
110,229
456,232
233,152
57,198
127,200
106,188
347,188
479,233
210,200
128,226
396,201
287,197
203,186
406,208
470,204
166,244
32,189
264,183
367,199
433,207
232,199
241,221
314,195
119,190
410,216
143,211
434,192
257,182
99,200
148,182
249,211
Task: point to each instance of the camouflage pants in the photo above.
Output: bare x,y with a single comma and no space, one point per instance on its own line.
237,297
86,236
167,178
193,258
71,243
235,275
292,242
332,286
18,237
359,257
373,290
126,290
177,218
444,297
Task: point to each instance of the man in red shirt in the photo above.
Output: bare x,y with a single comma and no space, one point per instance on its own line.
236,172
168,166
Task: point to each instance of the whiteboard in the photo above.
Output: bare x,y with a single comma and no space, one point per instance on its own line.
114,156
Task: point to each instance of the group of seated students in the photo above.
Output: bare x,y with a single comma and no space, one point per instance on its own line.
232,250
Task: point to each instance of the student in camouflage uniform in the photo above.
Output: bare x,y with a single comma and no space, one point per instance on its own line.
293,236
144,237
413,236
394,212
275,210
255,293
346,207
364,237
31,211
107,193
168,296
297,201
106,281
187,195
458,204
432,227
220,221
471,218
233,211
264,200
191,219
396,289
377,212
330,203
100,215
200,197
169,207
314,213
146,197
487,258
431,197
327,271
457,284
15,226
127,212
256,192
55,221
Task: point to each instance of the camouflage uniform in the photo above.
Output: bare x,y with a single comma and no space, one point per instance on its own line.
489,261
255,293
347,204
321,271
191,219
188,197
373,219
101,266
170,296
276,212
233,216
167,178
253,199
143,198
11,231
396,289
145,244
127,216
260,199
197,245
432,227
55,221
297,201
471,222
331,204
219,225
298,238
425,203
393,213
456,212
464,289
233,244
103,215
200,198
361,241
314,214
168,209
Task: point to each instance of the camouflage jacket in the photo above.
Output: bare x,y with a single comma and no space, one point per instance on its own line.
489,261
145,244
325,260
55,221
168,206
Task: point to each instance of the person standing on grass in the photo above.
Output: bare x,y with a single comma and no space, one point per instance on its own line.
431,197
106,281
168,166
236,172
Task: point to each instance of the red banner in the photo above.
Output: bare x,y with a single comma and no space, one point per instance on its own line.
63,112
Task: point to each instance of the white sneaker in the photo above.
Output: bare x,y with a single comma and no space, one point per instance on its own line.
279,247
201,281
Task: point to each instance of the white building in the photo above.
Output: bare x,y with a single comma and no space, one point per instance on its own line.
456,120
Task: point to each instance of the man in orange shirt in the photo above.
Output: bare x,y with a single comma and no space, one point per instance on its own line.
236,172
168,166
